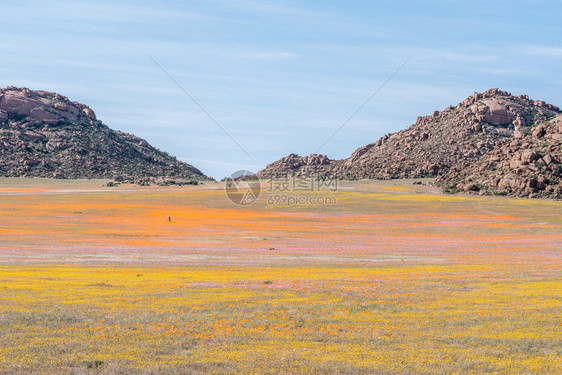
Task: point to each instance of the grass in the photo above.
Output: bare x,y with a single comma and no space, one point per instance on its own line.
392,280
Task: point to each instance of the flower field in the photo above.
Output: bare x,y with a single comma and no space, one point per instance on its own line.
394,279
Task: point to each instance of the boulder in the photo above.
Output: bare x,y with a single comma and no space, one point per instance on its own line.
519,121
494,112
89,113
33,135
315,159
60,106
41,114
18,102
45,94
56,144
529,156
539,131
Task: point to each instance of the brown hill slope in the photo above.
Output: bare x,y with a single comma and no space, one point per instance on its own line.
434,144
44,134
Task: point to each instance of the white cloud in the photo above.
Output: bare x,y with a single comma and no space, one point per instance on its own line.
272,55
546,51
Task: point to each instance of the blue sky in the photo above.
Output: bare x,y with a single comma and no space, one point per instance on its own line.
279,76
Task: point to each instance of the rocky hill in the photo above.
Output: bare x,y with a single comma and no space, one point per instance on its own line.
528,165
44,134
293,164
455,137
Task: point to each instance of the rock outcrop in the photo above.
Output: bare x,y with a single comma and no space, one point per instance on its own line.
44,134
312,165
528,165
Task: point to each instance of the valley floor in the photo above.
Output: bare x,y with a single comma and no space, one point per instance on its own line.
388,278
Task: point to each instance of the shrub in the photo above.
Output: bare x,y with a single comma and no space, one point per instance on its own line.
473,187
16,116
92,364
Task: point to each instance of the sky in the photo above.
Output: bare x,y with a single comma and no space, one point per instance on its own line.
253,81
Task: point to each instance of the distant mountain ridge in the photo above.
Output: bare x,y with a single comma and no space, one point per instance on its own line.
451,139
44,134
